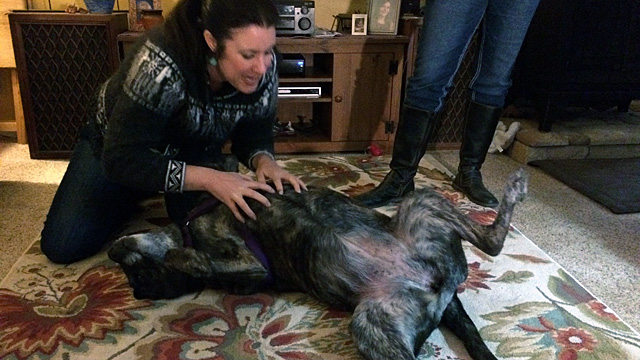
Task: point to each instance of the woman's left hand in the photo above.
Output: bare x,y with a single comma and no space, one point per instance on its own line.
267,168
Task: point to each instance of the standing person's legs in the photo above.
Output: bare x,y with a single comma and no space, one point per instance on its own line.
504,28
86,210
448,28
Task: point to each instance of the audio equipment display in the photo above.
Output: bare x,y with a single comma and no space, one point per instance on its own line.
292,64
300,91
297,17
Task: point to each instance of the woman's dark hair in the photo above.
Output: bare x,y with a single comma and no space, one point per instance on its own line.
185,24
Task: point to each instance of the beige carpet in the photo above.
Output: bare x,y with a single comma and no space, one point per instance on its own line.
26,190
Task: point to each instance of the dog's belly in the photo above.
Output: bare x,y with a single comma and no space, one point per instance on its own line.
320,242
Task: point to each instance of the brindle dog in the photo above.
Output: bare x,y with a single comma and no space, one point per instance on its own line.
397,274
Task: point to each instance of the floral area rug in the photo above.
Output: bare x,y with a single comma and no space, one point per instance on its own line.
525,305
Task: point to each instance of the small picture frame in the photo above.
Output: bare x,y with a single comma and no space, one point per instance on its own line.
384,16
359,24
135,10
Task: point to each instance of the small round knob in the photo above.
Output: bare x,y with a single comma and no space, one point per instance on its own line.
338,98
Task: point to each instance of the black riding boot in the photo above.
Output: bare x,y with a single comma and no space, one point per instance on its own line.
481,124
412,136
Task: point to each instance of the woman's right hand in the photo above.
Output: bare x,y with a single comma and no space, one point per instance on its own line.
231,188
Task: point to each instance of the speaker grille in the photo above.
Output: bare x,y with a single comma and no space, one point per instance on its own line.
62,65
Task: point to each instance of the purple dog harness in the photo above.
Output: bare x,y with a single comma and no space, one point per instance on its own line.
249,239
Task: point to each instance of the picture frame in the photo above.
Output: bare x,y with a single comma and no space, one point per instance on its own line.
359,24
384,16
135,11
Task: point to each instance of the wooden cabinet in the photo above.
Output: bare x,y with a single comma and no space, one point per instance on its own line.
580,53
361,81
61,59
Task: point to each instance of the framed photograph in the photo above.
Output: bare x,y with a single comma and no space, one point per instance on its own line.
135,8
383,17
359,24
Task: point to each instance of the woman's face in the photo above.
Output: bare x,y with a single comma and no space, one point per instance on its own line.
385,8
247,56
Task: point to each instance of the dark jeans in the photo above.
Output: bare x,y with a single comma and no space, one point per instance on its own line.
88,209
448,28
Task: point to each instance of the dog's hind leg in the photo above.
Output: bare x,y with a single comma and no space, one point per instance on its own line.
456,319
380,334
490,239
394,320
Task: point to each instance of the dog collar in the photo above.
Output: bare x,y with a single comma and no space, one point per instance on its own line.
247,235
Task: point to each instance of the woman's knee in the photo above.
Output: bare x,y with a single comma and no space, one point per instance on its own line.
65,247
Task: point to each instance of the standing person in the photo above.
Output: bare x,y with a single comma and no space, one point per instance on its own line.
207,75
383,21
449,26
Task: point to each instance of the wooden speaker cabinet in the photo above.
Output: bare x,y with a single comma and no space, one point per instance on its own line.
61,59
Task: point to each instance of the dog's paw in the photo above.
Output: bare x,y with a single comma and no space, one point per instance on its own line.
131,249
517,187
123,251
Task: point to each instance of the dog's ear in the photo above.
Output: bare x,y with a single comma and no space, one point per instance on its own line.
382,330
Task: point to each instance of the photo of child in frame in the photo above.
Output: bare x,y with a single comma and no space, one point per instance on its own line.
359,24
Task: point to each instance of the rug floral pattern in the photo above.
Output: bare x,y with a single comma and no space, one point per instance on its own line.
525,305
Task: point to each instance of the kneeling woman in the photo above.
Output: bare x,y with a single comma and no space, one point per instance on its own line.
206,76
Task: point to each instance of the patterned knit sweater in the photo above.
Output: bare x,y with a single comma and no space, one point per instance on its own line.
155,116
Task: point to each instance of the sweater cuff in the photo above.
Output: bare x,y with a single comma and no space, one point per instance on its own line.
265,152
174,181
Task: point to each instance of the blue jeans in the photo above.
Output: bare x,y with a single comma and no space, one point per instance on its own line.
448,29
88,209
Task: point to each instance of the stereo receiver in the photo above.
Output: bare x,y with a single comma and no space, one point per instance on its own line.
296,17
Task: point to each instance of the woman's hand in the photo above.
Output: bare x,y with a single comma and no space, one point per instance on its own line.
267,168
231,188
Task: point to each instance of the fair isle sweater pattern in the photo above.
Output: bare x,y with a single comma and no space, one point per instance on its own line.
156,82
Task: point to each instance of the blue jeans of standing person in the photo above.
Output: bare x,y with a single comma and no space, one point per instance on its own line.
449,26
88,209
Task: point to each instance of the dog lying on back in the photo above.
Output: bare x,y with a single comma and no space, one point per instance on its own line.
399,275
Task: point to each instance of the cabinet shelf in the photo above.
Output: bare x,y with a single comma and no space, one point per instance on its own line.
310,75
284,100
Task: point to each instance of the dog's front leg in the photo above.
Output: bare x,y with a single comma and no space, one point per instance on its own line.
241,273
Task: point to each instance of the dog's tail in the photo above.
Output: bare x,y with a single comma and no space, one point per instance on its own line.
456,319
